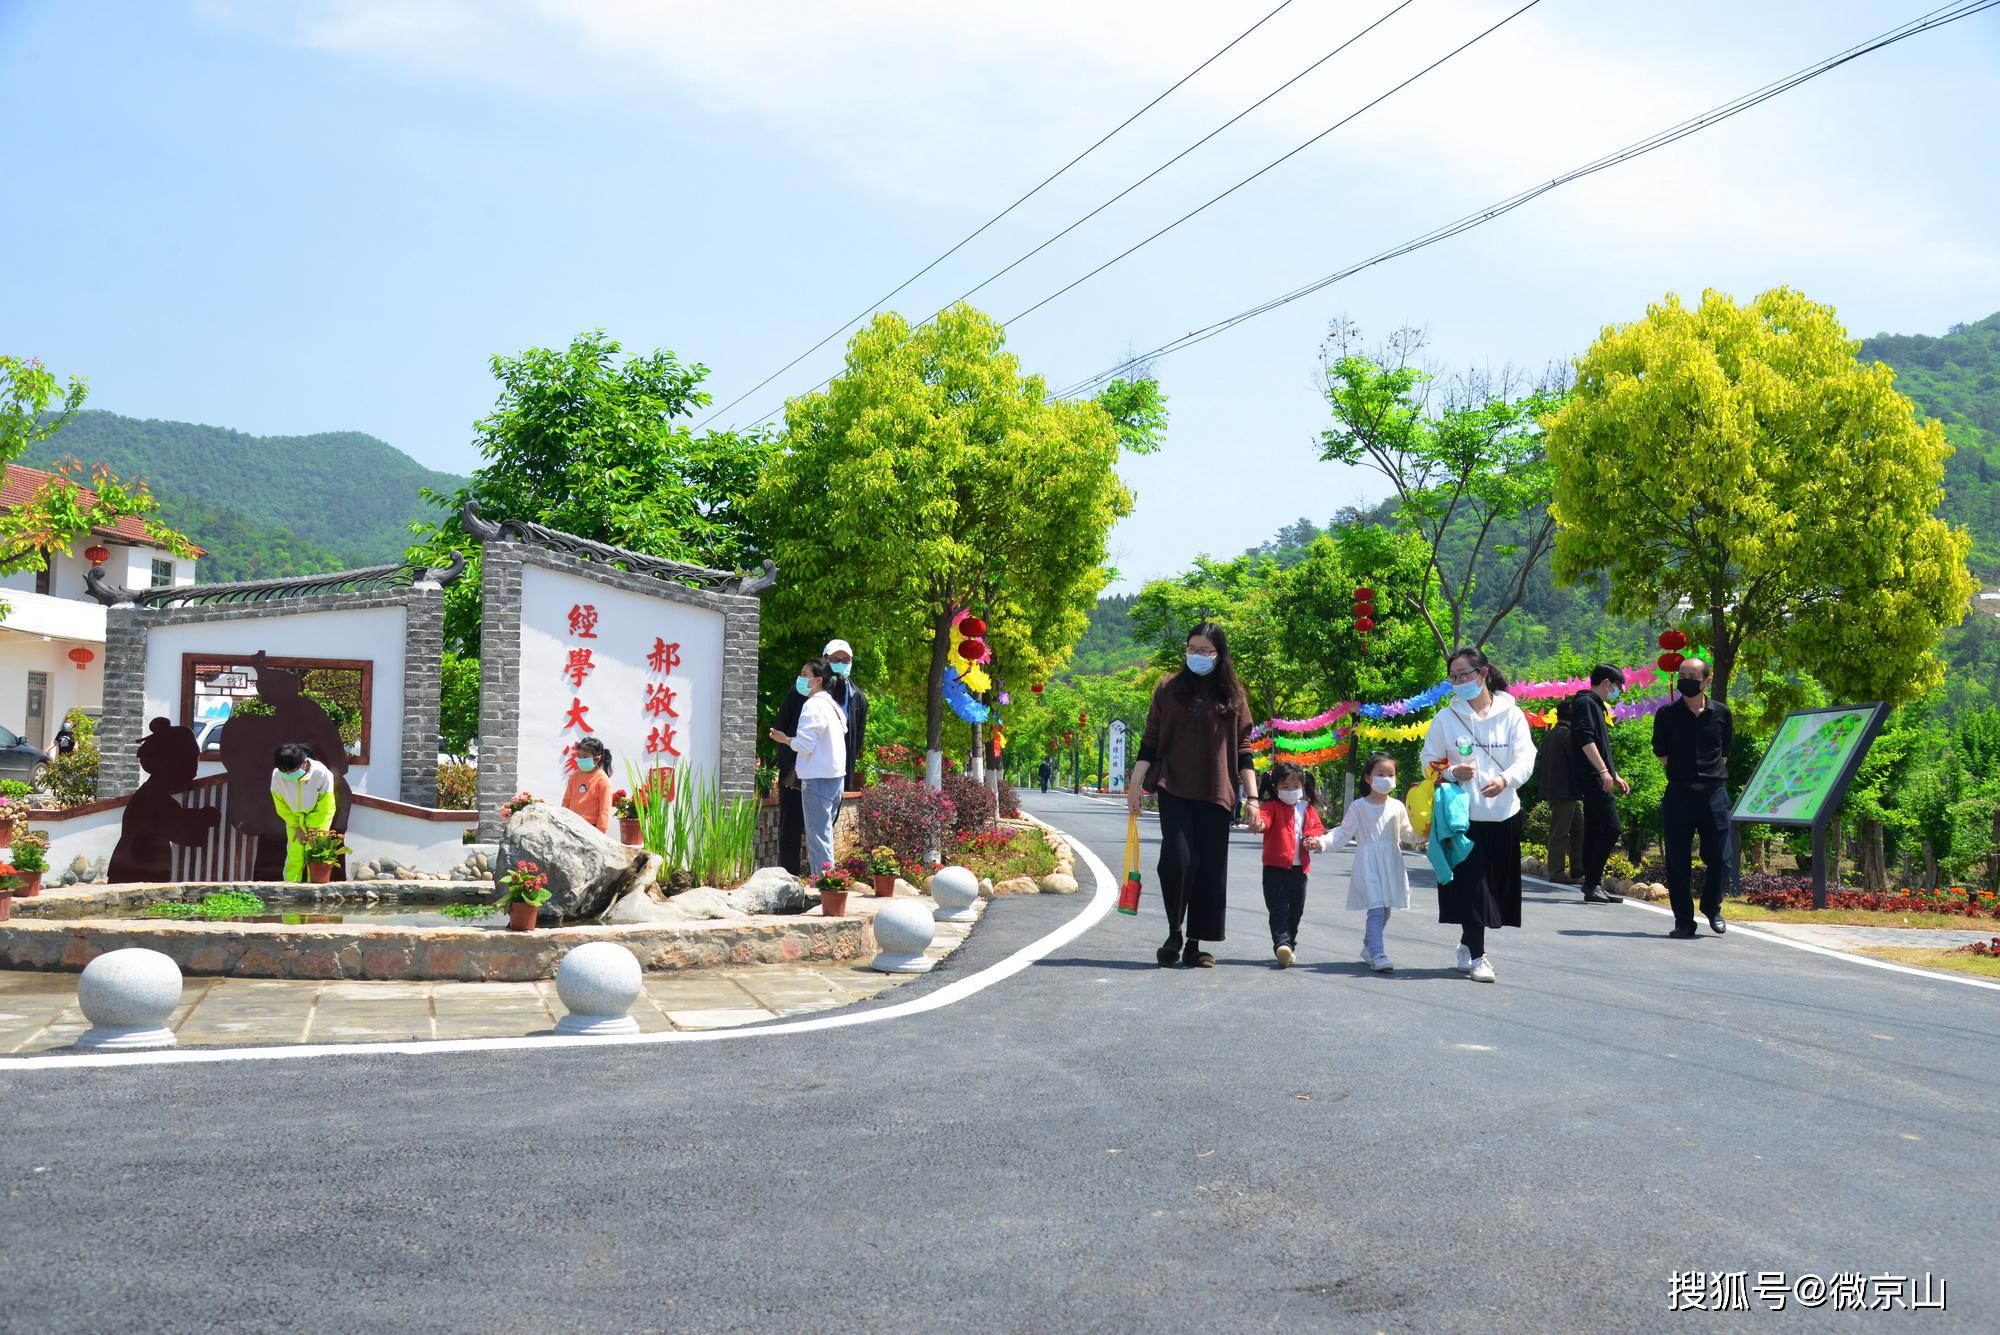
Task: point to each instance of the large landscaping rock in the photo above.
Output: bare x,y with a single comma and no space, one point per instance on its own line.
702,905
1058,883
770,890
588,870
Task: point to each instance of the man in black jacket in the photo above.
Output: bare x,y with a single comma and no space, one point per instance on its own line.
1558,789
1692,737
1596,776
791,800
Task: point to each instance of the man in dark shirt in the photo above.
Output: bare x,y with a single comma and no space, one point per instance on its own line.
1692,737
1596,776
1554,782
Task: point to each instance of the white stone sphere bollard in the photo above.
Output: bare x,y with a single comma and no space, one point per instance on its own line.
598,982
956,890
127,996
903,931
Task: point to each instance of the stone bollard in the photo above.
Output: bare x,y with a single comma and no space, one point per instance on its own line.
956,890
903,931
598,982
127,996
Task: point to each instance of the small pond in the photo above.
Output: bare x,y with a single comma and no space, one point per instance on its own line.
277,912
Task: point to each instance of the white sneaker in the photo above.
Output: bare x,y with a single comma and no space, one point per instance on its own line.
1381,964
1464,964
1482,970
1284,954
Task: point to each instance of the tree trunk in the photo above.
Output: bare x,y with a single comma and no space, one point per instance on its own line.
1722,656
1874,866
934,691
1930,866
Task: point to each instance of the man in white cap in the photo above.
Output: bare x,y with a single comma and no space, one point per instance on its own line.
791,802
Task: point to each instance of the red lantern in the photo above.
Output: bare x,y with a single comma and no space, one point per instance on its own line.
1364,595
972,651
972,628
1671,640
1036,688
1082,717
1364,609
82,657
1669,661
97,554
1364,624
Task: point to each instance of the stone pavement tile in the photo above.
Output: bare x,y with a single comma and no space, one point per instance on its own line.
251,1010
859,980
778,987
52,1022
392,1020
35,982
489,1010
718,1018
694,991
359,990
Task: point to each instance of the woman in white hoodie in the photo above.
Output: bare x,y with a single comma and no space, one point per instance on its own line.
821,744
1482,736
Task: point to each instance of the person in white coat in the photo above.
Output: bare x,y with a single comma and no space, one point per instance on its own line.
821,746
1482,738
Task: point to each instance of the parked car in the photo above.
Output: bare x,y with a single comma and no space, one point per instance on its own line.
18,760
209,733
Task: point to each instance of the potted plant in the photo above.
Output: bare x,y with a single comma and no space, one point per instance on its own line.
324,848
31,859
523,891
627,808
10,880
883,867
832,887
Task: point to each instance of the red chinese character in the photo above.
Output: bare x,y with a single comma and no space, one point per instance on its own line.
661,780
660,699
665,657
569,758
661,741
576,719
583,621
578,667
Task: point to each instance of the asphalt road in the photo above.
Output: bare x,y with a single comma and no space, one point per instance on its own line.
1093,1144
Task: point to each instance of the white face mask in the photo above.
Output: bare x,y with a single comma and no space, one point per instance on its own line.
1291,796
1382,783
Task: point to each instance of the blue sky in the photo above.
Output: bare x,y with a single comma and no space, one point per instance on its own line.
328,215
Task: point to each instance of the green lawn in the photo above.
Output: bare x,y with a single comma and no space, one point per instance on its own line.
1737,911
1955,961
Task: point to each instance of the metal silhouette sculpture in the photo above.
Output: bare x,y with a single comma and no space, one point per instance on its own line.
248,744
155,821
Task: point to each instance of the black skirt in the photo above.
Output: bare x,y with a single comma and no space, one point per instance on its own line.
1487,886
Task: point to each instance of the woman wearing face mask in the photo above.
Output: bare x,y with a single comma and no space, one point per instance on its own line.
821,746
1482,738
302,790
588,792
1194,752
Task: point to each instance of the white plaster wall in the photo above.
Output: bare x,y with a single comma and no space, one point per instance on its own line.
615,692
68,687
372,633
424,845
90,837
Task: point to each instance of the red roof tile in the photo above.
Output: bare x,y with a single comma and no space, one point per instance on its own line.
23,484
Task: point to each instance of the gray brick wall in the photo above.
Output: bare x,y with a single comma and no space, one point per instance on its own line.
500,667
125,638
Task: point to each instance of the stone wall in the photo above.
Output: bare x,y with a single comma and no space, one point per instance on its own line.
846,830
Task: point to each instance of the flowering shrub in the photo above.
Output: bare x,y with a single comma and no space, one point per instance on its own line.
1010,801
972,805
458,786
1991,949
624,805
72,779
10,879
894,758
1618,867
519,802
31,850
1800,896
906,816
831,879
526,884
988,841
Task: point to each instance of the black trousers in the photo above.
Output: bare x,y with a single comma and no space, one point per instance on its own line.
1600,831
1685,812
1194,866
1285,897
1486,889
791,829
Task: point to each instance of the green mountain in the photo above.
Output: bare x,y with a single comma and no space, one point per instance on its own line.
263,506
1956,379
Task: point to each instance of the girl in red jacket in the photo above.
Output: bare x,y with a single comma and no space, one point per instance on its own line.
1293,832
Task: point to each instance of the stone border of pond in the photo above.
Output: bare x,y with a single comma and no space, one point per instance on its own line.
327,951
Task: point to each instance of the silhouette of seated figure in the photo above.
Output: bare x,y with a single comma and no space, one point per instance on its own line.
248,744
154,821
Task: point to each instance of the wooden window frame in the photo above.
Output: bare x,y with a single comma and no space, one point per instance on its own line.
366,666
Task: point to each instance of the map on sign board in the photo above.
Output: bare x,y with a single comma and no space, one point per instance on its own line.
1806,769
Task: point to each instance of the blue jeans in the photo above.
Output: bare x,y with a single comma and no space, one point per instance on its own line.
821,799
1371,935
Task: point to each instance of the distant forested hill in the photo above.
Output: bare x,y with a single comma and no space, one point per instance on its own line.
262,505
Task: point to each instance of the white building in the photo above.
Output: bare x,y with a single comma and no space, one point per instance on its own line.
51,622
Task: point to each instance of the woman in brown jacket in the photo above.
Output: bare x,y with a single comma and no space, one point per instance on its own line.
1195,750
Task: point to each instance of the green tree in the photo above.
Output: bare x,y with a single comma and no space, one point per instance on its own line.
1741,463
1470,471
930,476
1315,611
589,441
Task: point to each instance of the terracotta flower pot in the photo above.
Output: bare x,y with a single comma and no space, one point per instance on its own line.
521,916
319,873
629,832
885,886
833,903
31,884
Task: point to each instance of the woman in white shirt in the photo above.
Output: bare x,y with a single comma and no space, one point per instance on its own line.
1482,736
821,744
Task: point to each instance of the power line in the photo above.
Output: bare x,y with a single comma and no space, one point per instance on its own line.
1275,162
1936,18
970,236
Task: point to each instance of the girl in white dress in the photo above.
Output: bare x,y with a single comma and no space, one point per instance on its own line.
1377,825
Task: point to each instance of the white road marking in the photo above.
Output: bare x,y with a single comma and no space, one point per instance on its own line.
1100,905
